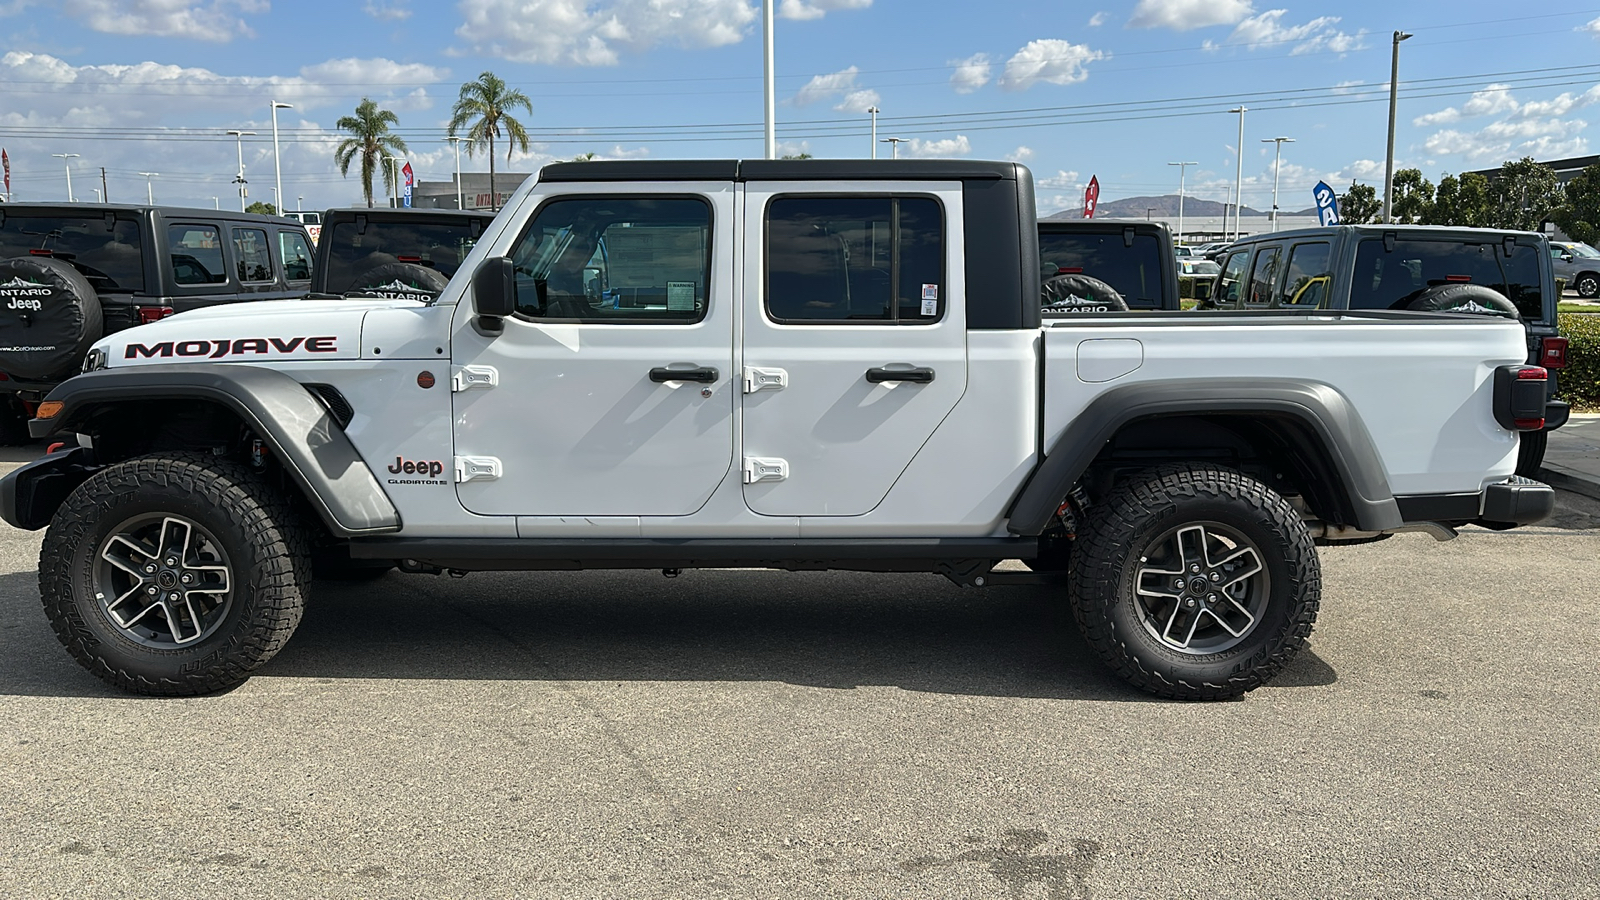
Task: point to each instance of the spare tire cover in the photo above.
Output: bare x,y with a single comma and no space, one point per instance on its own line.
399,281
1080,294
1464,298
49,318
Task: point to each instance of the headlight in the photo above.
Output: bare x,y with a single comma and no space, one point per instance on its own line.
96,359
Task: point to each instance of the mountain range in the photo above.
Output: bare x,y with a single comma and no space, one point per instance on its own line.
1166,206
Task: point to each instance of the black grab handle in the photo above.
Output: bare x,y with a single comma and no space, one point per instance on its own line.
920,375
703,374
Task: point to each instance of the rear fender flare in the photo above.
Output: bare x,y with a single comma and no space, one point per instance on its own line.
1345,444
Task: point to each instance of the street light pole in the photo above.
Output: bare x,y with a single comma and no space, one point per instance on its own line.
277,165
1277,160
244,190
873,110
1238,174
149,192
394,180
68,158
894,144
772,97
460,203
1183,169
1394,96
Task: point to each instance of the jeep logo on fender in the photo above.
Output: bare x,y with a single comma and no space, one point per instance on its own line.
219,349
427,470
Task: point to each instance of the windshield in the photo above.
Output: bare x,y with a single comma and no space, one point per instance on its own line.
1394,279
110,255
1583,250
435,245
1134,272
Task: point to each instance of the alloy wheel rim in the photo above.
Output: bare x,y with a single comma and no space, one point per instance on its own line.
163,580
1201,588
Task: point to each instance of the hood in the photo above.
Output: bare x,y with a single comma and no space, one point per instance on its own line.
260,332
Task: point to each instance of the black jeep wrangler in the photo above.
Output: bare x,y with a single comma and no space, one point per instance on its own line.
408,253
73,272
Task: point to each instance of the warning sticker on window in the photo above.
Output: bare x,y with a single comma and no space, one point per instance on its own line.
930,307
930,292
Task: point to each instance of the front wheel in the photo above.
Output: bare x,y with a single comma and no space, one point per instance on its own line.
175,575
1195,582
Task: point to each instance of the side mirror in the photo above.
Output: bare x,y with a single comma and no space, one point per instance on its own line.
494,293
1202,290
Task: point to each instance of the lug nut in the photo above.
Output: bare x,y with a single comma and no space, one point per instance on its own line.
151,590
172,597
1189,603
187,578
1177,582
1195,569
150,569
1211,598
1216,576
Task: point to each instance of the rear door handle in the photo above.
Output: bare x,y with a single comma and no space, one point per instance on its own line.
703,374
920,375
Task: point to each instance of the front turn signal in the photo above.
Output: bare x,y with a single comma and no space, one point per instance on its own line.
49,409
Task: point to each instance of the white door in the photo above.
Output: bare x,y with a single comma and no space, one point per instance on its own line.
612,391
854,340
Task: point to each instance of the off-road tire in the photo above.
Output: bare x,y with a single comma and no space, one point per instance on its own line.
1111,550
266,554
1078,293
399,281
1463,298
1530,453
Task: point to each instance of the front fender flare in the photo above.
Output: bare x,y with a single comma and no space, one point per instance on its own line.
298,429
1318,408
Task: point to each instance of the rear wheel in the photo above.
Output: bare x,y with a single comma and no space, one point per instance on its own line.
1587,285
1195,582
1530,453
173,574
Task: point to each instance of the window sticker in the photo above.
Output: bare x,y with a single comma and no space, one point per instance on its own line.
680,295
930,292
930,307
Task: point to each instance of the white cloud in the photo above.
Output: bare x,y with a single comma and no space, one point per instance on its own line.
816,9
1096,20
217,20
956,146
1592,27
1268,29
1492,100
390,10
570,32
1061,181
858,101
826,87
1050,60
1509,139
1021,154
1186,15
1344,87
971,73
793,148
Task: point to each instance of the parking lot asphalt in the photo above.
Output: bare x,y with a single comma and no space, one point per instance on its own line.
757,734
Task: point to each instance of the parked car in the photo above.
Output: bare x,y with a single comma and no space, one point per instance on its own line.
1579,265
389,252
1201,277
1410,267
1214,250
73,272
1184,252
768,363
1104,265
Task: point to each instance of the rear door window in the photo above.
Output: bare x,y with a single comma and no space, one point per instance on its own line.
1230,285
296,255
1264,278
854,260
196,252
1132,271
251,255
1394,279
1307,282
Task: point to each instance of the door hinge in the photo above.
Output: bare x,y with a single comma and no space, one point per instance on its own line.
465,378
757,468
471,468
759,379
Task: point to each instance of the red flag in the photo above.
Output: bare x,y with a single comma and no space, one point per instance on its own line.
406,171
6,161
1091,197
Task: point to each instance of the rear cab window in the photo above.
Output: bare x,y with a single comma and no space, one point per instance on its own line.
110,254
1133,271
1394,278
296,255
353,250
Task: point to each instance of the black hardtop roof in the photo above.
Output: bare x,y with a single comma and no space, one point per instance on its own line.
168,212
780,170
1378,230
404,213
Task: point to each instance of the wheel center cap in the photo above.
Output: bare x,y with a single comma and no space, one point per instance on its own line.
1198,585
167,578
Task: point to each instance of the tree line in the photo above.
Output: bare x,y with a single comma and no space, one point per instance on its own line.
1523,195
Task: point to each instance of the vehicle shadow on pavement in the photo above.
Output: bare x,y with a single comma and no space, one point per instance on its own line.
833,630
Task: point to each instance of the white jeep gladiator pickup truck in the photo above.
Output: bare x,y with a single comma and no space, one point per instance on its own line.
796,365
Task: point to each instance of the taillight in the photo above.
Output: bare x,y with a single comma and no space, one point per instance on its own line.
1069,270
1519,397
148,314
1554,353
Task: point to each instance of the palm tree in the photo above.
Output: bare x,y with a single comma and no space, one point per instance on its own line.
485,105
371,139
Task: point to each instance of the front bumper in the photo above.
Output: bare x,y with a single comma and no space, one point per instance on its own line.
30,495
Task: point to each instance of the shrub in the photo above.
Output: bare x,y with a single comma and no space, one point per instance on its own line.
1580,380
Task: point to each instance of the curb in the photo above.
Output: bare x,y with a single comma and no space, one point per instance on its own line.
1558,476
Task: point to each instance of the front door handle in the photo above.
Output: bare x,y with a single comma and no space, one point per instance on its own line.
920,375
702,374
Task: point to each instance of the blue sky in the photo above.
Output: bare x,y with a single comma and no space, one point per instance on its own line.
1074,89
